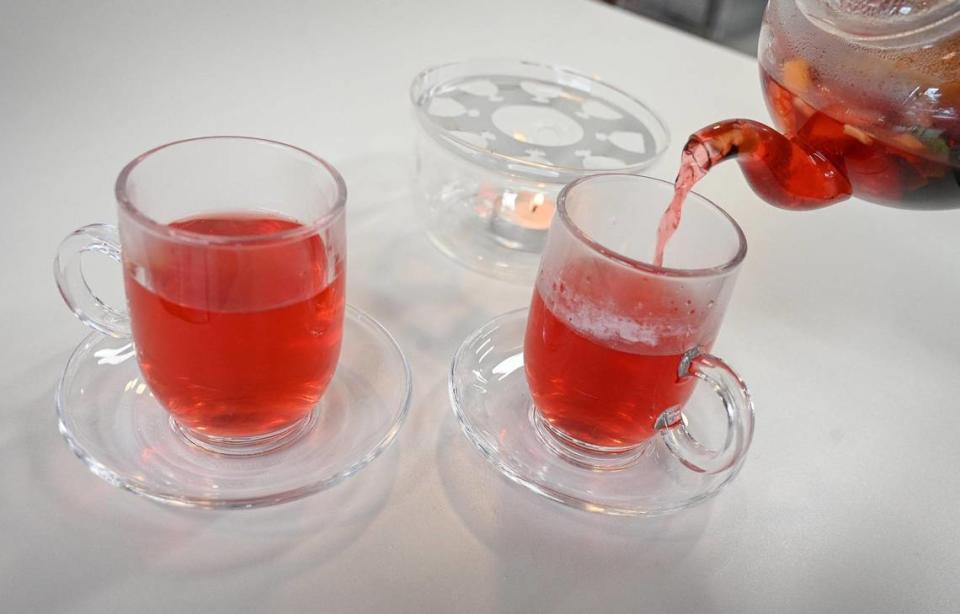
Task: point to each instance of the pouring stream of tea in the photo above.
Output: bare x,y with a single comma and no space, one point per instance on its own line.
785,172
691,171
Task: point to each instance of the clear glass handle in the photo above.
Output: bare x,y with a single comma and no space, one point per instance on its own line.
76,293
737,405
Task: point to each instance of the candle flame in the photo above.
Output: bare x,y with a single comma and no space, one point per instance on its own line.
537,201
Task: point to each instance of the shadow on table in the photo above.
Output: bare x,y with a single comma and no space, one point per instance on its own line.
56,498
427,302
434,311
554,558
194,541
376,180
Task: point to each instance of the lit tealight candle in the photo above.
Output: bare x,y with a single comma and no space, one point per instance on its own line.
521,219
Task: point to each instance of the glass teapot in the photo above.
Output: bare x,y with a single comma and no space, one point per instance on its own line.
867,96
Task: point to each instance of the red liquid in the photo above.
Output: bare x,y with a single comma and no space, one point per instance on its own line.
238,339
824,156
690,173
876,149
783,172
594,392
846,145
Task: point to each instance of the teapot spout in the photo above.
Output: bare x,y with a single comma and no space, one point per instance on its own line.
784,172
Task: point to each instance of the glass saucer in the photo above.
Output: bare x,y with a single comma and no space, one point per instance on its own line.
113,423
499,138
488,390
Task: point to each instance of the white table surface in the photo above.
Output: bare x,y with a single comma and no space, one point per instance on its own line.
845,324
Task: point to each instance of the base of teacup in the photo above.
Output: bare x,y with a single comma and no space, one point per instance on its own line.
247,446
582,453
125,436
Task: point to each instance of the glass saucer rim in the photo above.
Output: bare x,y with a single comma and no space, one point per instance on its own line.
104,472
539,488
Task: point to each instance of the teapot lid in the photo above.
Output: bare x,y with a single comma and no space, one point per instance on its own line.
885,23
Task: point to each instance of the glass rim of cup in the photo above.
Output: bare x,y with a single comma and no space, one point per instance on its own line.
610,254
188,236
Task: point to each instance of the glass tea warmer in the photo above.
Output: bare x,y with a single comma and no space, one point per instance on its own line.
866,96
497,141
